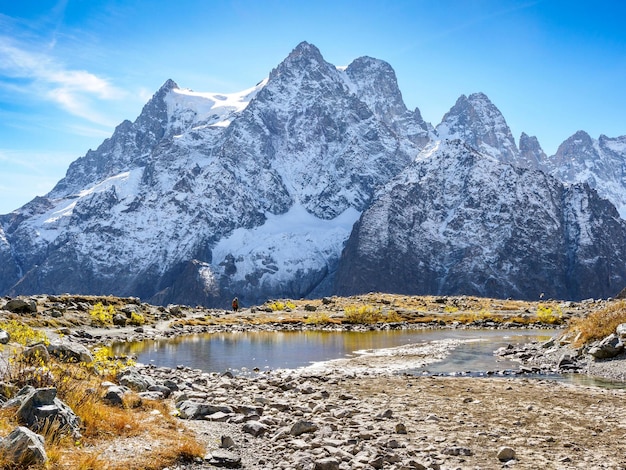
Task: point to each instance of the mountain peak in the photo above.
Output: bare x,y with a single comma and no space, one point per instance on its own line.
304,57
305,48
169,85
531,153
476,120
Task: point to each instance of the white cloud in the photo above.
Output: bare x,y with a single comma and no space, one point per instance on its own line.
73,90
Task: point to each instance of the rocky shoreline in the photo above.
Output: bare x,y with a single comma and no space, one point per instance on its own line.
335,418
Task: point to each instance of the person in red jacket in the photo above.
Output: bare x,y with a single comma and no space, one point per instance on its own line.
235,304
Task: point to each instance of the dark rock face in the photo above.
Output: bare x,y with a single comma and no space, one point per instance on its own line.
531,153
457,222
9,270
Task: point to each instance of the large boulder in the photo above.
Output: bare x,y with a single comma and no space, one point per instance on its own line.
135,381
23,448
21,306
70,352
39,407
607,348
189,409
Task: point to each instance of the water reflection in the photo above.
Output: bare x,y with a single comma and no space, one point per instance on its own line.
217,352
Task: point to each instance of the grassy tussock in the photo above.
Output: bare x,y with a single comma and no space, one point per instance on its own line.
79,386
599,324
368,314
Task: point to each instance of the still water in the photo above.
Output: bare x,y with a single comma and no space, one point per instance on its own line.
463,350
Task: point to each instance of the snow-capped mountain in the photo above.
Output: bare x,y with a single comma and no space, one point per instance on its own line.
459,222
206,196
477,121
601,163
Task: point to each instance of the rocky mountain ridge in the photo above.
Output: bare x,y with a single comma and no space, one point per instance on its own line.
206,196
456,221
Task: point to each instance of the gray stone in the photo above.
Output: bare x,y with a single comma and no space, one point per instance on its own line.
115,395
456,451
227,442
621,330
302,427
329,463
607,348
23,447
119,319
219,416
70,352
224,458
401,428
40,406
254,428
165,391
151,395
413,465
4,337
136,381
173,386
21,306
505,454
36,353
189,409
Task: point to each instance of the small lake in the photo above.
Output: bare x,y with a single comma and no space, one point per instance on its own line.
413,351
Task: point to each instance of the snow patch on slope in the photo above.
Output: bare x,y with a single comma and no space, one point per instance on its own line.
211,109
286,243
49,224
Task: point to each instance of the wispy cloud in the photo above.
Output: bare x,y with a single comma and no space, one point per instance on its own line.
73,90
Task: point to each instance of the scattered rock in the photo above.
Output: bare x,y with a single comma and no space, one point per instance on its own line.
227,442
36,354
224,458
302,427
70,352
23,448
135,381
41,406
4,337
505,454
607,348
255,428
21,306
115,395
401,428
329,463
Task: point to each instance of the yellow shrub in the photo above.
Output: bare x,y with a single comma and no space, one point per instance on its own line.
278,305
369,314
318,319
549,315
23,334
136,319
105,362
101,315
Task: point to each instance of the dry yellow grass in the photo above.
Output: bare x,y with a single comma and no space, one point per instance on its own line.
147,422
599,324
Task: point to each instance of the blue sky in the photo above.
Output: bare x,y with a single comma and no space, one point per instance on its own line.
71,70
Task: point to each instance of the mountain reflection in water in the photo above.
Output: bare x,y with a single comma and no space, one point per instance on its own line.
244,351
